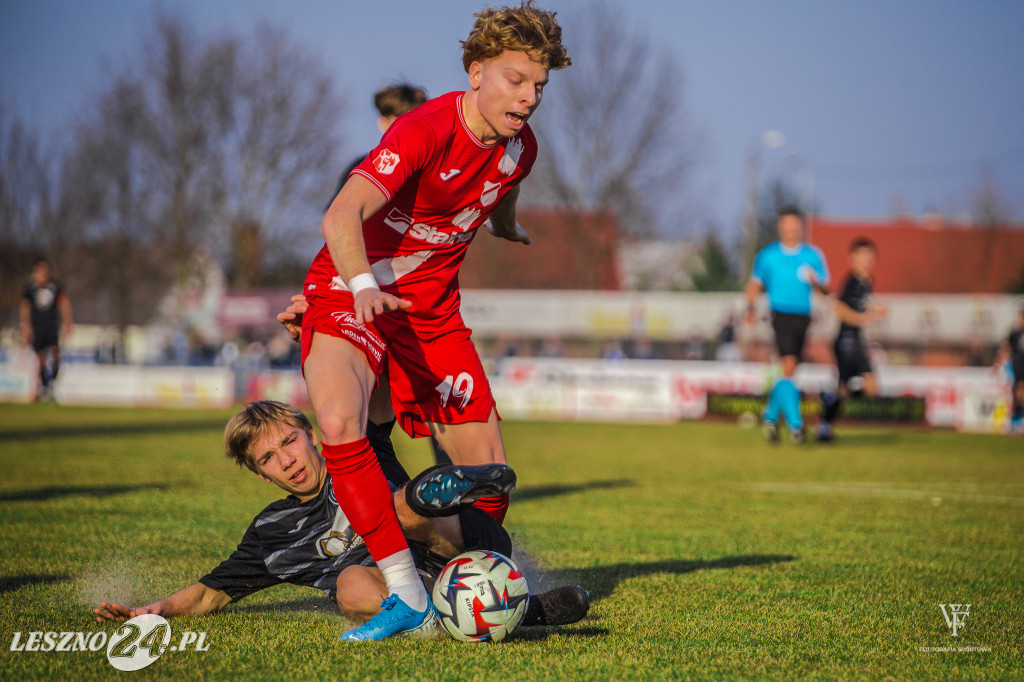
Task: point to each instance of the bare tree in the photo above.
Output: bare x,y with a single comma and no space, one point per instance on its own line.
26,207
205,145
613,128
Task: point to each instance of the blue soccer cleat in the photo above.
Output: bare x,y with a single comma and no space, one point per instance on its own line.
395,618
442,490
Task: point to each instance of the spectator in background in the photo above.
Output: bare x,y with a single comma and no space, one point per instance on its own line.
1012,350
694,347
727,350
551,348
45,316
613,351
643,349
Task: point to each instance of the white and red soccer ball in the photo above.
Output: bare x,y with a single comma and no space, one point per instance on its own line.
480,596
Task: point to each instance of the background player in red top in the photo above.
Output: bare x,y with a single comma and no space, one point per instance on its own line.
395,237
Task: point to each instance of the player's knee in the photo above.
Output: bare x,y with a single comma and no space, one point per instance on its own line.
358,593
338,429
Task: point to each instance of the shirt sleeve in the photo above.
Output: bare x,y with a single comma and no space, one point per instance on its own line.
760,271
244,572
406,149
848,296
820,266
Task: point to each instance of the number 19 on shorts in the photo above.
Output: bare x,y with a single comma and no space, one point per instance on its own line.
460,388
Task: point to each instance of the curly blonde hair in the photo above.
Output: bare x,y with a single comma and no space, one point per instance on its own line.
521,29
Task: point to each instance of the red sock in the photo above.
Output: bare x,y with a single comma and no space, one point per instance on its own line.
495,507
365,497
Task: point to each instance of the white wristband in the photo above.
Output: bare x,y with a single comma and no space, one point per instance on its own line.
363,281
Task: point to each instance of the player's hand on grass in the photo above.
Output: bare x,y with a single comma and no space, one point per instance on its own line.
291,318
518,234
107,611
370,301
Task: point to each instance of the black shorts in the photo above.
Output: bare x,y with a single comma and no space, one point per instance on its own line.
43,339
851,356
479,531
790,332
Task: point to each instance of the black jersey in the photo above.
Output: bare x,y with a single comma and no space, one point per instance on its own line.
856,294
44,315
1016,341
303,543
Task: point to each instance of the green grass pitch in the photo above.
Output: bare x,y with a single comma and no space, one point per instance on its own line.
708,553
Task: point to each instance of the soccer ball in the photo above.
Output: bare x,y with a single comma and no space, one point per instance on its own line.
480,596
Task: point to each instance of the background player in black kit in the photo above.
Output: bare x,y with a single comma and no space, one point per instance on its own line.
45,315
1012,349
855,311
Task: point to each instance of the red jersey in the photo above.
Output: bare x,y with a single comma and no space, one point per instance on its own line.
441,184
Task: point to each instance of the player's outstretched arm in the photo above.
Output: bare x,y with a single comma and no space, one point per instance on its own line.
503,221
291,318
343,231
194,600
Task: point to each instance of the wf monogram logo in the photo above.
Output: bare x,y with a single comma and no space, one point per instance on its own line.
956,615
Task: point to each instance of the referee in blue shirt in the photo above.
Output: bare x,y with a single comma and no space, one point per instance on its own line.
789,270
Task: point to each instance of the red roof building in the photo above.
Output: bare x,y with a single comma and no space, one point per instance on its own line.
927,256
569,251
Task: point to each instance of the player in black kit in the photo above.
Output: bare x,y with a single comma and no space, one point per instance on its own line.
1012,350
305,538
855,311
45,316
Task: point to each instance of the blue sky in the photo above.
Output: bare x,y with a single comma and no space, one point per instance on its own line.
881,103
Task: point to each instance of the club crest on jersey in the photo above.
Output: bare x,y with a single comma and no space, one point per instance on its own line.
490,193
510,159
386,162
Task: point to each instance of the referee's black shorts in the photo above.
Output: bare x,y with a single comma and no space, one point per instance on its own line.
790,332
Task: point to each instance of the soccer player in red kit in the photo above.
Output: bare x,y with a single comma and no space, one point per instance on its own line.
395,237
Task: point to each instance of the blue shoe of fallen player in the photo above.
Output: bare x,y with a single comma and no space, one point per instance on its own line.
395,618
441,489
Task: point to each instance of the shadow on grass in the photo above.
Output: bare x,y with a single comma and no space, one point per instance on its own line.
10,583
554,490
50,431
55,491
601,581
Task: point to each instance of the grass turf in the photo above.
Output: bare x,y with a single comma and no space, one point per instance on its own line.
708,553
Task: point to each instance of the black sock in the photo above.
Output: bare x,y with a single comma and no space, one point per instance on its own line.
379,436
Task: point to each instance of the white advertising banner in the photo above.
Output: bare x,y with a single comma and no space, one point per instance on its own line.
133,385
664,391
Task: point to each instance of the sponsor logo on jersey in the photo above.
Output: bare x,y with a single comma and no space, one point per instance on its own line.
398,221
465,220
510,159
386,162
490,193
433,235
450,174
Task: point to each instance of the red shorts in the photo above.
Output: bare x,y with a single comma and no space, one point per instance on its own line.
434,379
334,315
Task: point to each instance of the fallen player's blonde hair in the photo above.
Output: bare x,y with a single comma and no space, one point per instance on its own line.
521,29
254,422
